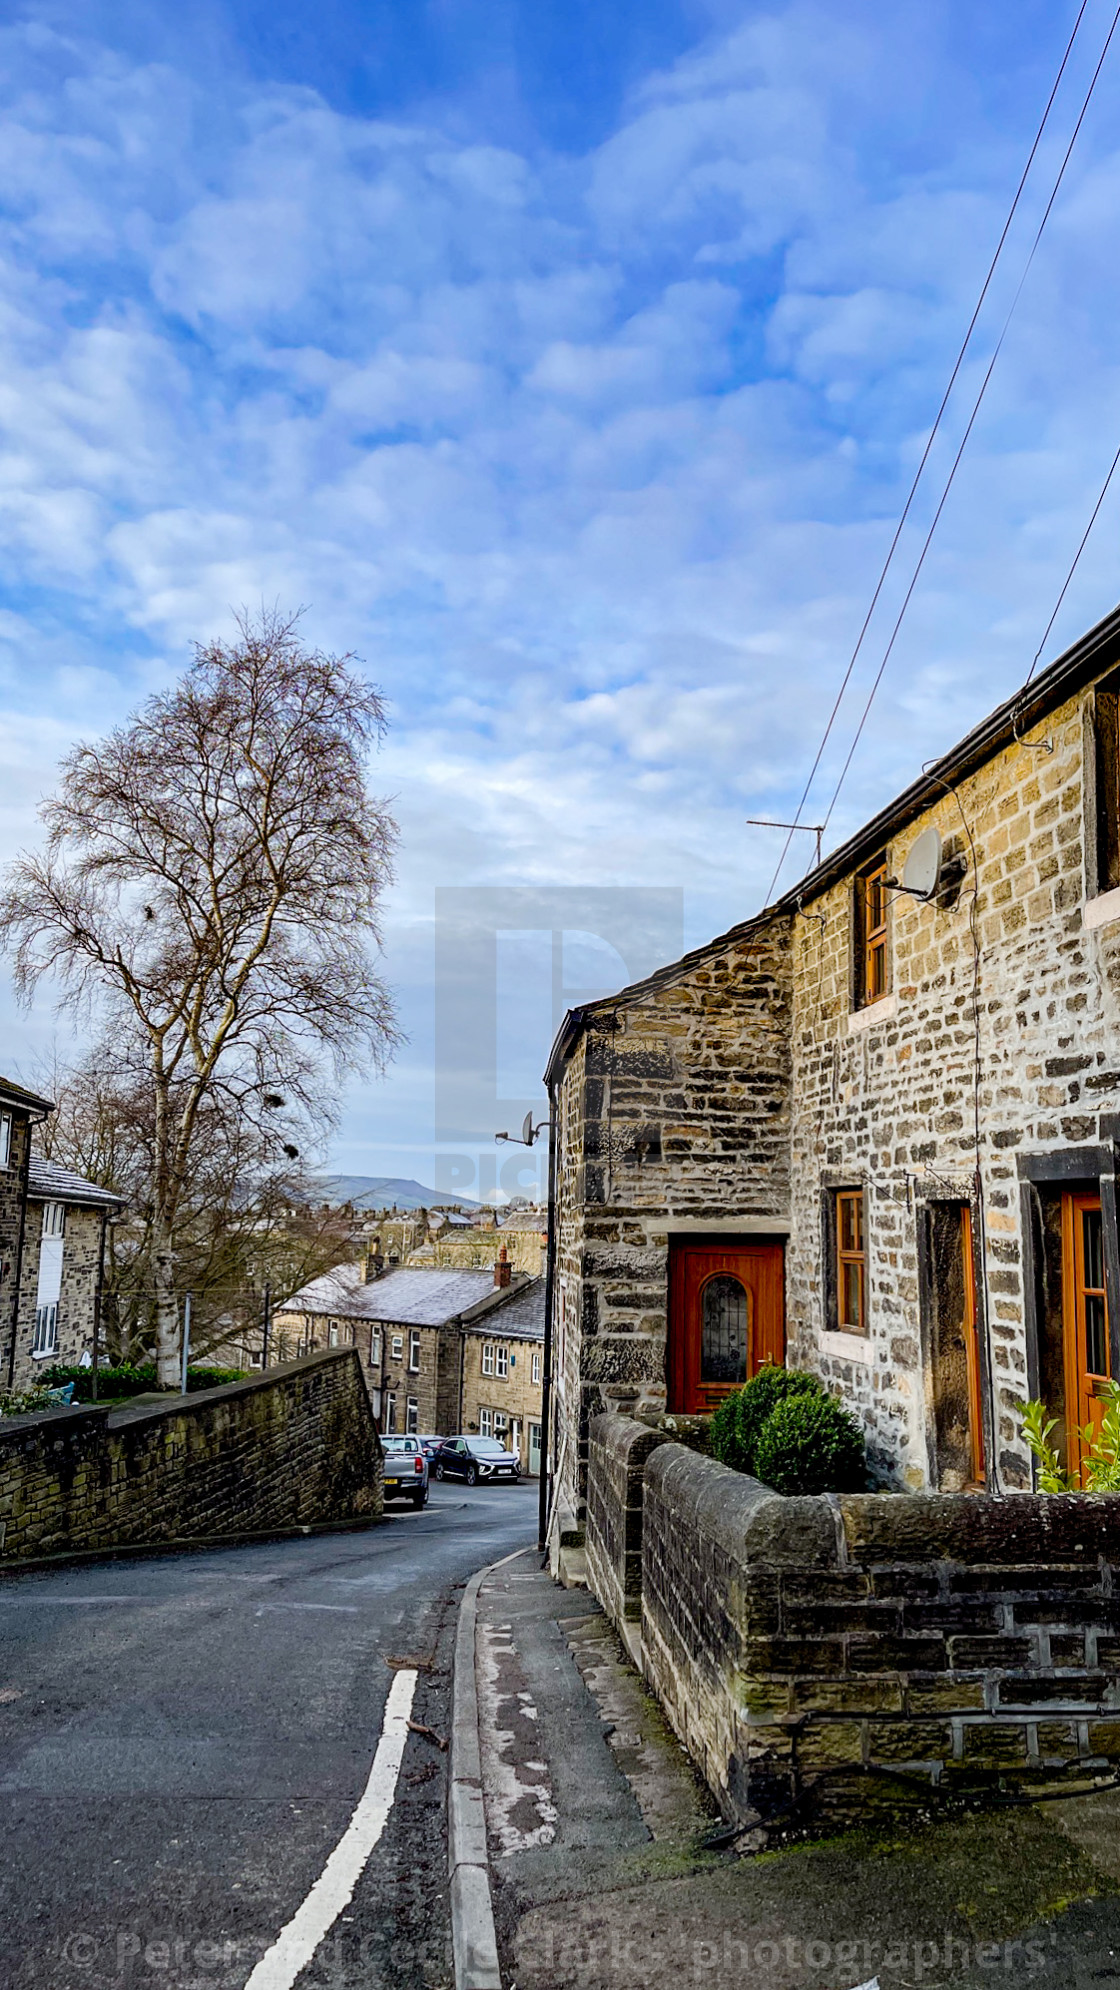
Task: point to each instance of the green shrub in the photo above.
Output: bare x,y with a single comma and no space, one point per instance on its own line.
740,1417
114,1384
811,1444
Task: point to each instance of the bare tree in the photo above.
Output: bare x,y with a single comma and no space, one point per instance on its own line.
249,1216
210,887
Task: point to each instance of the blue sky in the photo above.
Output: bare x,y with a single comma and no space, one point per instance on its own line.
570,363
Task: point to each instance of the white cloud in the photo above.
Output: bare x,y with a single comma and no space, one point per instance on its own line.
593,460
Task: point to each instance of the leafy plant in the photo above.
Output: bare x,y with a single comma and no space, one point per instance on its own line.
740,1417
114,1384
1100,1471
811,1444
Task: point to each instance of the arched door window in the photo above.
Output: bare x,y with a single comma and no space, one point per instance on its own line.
725,1331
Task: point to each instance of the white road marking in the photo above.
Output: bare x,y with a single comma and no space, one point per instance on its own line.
334,1889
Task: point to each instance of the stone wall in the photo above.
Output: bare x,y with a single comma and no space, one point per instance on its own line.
673,1115
821,1658
885,1099
294,1448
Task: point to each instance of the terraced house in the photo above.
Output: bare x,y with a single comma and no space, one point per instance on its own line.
52,1248
874,1130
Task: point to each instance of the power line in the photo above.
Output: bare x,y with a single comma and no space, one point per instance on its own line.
1073,567
971,420
929,445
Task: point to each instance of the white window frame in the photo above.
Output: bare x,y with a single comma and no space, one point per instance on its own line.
54,1219
503,1361
501,1423
390,1423
536,1368
414,1351
332,1334
5,1139
397,1347
46,1332
488,1357
486,1423
412,1415
375,1347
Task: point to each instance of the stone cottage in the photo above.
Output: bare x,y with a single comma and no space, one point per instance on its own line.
409,1326
873,1131
52,1248
502,1367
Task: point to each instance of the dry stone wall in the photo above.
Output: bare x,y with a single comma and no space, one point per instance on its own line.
823,1658
294,1448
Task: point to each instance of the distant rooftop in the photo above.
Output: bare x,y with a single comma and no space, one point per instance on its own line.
521,1316
414,1295
47,1181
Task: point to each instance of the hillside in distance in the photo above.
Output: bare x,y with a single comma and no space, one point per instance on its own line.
386,1192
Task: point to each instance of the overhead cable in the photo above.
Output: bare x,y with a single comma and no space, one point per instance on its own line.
971,420
1073,567
905,513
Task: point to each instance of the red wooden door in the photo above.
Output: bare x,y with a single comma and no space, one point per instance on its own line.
726,1319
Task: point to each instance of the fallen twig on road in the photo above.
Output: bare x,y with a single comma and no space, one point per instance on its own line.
421,1727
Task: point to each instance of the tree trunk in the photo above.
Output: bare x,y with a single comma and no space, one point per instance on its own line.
169,1332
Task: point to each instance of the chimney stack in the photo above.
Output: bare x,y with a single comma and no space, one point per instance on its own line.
373,1264
503,1268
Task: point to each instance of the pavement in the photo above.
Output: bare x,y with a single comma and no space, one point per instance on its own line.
184,1740
610,1870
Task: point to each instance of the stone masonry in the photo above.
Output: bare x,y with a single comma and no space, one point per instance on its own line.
739,1089
820,1658
296,1448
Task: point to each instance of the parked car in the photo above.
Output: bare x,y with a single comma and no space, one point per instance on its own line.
430,1444
406,1470
475,1458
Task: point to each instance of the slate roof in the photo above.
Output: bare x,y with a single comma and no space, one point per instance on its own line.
519,1317
413,1295
49,1183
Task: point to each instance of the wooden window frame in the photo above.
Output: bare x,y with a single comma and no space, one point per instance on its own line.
1080,1392
844,1256
972,1348
871,976
1102,760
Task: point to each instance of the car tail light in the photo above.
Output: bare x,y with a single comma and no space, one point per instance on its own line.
420,1463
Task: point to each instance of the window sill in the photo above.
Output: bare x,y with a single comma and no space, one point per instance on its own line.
847,1347
44,1354
1101,911
875,1012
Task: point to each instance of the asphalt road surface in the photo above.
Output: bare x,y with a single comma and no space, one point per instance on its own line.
184,1739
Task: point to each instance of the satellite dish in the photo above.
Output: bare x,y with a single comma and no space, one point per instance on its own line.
527,1130
923,865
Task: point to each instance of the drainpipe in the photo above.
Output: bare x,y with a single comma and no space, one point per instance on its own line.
97,1301
31,1121
549,1288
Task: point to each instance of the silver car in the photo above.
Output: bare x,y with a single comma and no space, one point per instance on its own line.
406,1470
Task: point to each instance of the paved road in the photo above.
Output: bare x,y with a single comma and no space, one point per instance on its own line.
183,1740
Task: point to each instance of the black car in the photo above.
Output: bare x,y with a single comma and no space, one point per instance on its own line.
474,1459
